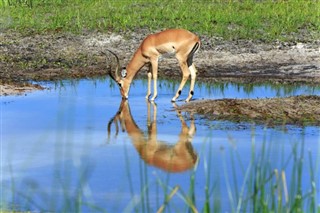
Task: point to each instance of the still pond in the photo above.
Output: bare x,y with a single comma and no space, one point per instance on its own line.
77,147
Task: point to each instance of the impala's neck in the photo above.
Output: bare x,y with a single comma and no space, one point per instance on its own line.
135,64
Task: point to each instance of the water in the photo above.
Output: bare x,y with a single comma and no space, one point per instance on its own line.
57,155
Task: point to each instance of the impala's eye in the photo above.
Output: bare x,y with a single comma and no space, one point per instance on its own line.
123,73
120,85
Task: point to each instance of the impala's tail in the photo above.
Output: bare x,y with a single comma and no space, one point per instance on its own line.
193,51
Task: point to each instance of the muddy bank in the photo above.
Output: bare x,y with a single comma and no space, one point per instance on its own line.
18,89
61,56
298,110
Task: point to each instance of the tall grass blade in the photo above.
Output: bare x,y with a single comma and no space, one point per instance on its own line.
168,198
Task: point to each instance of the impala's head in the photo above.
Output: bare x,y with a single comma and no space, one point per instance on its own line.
121,80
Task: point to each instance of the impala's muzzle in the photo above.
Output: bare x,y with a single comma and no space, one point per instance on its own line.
123,94
124,88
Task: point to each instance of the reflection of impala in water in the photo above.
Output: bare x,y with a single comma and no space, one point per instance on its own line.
173,158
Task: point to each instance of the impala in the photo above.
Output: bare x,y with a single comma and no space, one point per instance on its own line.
172,158
182,43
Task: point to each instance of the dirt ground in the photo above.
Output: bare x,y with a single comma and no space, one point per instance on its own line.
25,59
60,56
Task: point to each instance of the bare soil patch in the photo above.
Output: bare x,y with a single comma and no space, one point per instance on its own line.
62,55
300,110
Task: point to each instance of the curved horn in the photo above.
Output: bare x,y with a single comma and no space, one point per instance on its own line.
116,77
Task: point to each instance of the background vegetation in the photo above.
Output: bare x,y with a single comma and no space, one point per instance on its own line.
248,19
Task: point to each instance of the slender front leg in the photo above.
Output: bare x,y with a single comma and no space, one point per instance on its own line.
152,128
154,65
185,76
149,82
148,114
193,72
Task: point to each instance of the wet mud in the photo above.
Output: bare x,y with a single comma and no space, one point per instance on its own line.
18,89
297,110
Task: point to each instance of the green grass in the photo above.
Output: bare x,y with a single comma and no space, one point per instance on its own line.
265,20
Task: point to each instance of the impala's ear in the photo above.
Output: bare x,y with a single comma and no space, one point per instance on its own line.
123,72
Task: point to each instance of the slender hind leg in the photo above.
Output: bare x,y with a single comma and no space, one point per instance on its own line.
193,72
185,76
187,68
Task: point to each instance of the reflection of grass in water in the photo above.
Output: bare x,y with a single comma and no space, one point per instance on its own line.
250,88
211,88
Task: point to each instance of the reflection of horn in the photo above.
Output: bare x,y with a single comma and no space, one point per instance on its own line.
116,77
177,157
115,119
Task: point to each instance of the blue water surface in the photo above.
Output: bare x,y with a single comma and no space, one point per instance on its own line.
57,156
